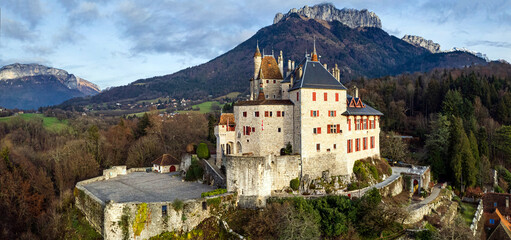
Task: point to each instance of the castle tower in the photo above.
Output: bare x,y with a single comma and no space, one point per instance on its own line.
257,61
281,64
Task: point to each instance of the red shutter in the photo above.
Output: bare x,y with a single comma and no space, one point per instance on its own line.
349,124
244,130
338,128
326,96
328,129
312,113
319,130
335,113
314,96
337,97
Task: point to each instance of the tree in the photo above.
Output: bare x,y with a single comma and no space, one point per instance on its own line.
455,146
93,143
452,104
437,144
203,151
393,147
142,125
211,128
503,143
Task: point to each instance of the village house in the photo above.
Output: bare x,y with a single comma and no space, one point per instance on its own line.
166,163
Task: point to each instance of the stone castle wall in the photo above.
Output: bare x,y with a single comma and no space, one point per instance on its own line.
255,177
135,220
266,139
271,88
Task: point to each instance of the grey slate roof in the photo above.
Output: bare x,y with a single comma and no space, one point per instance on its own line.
314,76
367,110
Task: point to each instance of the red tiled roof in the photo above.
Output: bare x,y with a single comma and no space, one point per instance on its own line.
226,117
490,199
270,68
166,160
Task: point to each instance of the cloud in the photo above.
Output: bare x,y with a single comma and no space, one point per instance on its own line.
30,11
17,30
396,32
195,28
489,43
85,13
40,50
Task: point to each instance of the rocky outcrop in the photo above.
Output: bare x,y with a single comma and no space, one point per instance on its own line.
23,71
351,17
421,42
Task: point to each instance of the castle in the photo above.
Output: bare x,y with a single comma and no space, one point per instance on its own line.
307,108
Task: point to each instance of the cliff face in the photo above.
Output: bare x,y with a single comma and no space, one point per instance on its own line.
351,17
421,42
29,86
22,71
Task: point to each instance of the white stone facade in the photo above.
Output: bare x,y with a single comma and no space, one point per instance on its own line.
328,129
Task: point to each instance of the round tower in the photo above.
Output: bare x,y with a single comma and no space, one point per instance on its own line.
257,61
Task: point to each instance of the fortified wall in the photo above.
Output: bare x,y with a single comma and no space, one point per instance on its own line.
142,220
255,177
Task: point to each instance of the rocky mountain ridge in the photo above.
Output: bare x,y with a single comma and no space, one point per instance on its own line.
350,17
418,41
22,71
30,86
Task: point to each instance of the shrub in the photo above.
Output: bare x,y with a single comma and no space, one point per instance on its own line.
195,171
360,171
498,189
374,172
203,151
177,204
289,148
214,192
294,184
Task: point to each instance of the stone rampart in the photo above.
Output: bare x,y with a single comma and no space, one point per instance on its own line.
136,220
91,206
392,189
418,214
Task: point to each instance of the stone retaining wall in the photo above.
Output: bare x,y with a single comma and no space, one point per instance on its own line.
91,206
477,216
418,214
136,220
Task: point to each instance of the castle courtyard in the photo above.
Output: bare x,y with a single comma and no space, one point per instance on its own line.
146,187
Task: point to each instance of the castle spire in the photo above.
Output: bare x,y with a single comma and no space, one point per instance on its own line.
257,53
314,54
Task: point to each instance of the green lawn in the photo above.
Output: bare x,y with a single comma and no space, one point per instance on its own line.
50,123
204,107
231,95
468,211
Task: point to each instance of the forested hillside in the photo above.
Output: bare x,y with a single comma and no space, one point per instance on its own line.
460,116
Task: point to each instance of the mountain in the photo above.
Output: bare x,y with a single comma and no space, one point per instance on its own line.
30,86
421,42
359,52
350,17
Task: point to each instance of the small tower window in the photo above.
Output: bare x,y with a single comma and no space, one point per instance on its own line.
279,129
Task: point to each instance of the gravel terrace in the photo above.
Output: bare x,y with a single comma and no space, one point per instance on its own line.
147,187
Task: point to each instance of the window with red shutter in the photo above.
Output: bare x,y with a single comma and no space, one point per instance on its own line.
319,130
349,124
278,113
244,114
318,147
326,96
256,114
328,129
337,97
313,96
266,114
339,128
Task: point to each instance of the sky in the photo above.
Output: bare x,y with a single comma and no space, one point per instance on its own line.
115,42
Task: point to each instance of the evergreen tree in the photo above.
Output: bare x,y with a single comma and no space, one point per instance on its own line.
503,143
142,125
437,144
468,161
452,104
455,146
211,128
482,140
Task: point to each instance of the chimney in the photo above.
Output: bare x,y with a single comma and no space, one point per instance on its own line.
324,65
356,91
281,63
300,72
291,80
293,65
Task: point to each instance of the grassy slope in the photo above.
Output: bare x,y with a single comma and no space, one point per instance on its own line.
468,211
50,123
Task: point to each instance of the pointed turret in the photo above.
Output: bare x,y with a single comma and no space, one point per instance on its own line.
314,54
257,61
